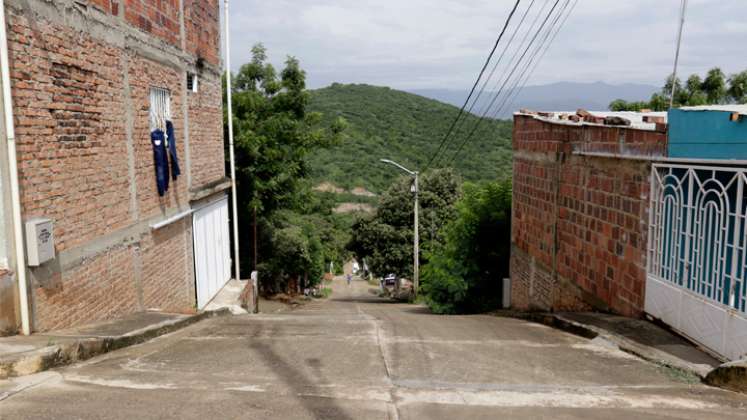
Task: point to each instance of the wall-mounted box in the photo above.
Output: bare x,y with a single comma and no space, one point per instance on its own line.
39,241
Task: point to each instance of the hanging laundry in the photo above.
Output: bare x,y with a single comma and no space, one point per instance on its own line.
160,158
175,171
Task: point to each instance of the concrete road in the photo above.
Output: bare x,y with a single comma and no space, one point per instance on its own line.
358,357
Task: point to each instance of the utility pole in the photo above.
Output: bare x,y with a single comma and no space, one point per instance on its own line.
416,228
416,244
229,103
677,53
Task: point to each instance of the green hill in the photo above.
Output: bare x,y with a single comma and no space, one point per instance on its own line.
386,123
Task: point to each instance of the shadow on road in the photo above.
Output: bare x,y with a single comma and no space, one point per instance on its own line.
301,383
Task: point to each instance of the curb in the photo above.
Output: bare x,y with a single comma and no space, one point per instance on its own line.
731,376
79,349
643,352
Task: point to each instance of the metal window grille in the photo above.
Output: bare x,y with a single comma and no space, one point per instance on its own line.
160,108
192,82
697,232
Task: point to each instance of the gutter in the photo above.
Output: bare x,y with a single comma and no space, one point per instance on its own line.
15,191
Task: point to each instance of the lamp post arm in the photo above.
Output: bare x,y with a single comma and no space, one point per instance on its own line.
391,162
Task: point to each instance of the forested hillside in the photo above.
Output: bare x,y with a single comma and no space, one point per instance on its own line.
386,123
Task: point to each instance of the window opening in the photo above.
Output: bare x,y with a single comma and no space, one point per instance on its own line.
160,108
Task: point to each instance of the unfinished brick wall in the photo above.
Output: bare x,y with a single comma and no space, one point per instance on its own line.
156,17
202,34
144,74
206,132
68,100
81,96
580,222
169,287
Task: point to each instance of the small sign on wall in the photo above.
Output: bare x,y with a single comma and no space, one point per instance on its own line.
39,241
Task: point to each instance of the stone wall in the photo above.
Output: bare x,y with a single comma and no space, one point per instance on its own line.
579,222
81,75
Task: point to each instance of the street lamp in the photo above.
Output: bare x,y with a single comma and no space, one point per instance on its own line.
416,230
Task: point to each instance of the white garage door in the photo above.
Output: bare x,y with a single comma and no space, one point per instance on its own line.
212,250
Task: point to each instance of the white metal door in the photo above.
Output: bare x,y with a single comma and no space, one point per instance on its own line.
212,250
697,254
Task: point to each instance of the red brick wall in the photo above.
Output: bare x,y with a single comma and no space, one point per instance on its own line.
206,132
99,289
202,29
156,17
144,74
579,222
167,269
107,6
68,97
72,95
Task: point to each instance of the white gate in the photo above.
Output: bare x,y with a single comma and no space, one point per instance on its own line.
697,258
212,250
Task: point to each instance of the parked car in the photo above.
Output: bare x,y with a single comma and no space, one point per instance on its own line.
389,281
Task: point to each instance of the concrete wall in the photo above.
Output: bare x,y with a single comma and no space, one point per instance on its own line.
579,223
81,74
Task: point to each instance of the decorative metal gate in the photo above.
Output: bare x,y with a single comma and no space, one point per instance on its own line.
697,254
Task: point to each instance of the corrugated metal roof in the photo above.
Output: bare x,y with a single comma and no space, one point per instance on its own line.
739,109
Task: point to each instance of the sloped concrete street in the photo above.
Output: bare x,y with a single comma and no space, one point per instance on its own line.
356,356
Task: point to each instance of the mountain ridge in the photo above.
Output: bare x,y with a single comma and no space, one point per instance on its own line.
559,96
407,128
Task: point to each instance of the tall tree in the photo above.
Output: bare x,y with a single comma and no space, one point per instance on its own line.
464,273
714,86
738,87
273,135
385,239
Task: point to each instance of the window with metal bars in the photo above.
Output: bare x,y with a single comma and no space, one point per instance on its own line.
160,108
191,82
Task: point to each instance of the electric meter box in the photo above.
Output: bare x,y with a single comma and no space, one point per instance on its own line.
39,241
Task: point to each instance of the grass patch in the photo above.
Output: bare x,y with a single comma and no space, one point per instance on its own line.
326,292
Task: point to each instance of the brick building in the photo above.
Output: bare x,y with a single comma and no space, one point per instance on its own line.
90,81
580,210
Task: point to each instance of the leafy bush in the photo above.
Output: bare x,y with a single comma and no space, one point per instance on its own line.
385,239
465,272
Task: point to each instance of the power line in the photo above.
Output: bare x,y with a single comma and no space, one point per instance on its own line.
513,70
517,80
531,62
492,72
497,89
542,56
484,67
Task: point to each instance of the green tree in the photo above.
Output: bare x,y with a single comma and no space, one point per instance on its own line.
274,133
696,91
714,86
464,274
738,87
297,253
385,239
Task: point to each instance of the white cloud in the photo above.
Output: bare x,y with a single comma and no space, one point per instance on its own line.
443,43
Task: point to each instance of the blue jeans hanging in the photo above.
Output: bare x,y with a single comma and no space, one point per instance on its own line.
160,159
175,171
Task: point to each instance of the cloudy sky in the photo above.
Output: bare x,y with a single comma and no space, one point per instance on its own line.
411,44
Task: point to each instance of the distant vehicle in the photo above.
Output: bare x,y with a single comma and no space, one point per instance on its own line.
389,281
